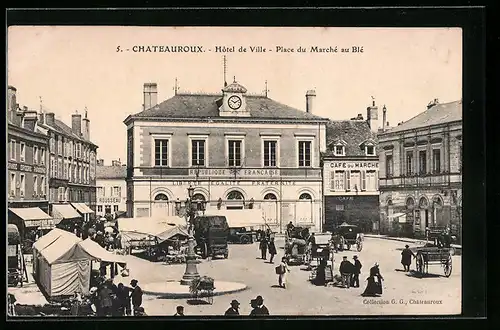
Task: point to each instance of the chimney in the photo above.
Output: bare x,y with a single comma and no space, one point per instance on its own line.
76,123
150,95
310,95
50,118
41,118
11,98
372,116
116,163
384,118
86,127
100,162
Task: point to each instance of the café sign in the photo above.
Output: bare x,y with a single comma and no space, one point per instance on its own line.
26,168
354,165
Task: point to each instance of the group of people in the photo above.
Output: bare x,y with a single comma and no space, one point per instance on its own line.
257,304
267,244
117,300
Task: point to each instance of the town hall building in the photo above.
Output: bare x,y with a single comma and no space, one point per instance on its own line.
238,150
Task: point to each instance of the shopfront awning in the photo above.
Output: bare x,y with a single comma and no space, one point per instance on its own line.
82,208
33,217
64,211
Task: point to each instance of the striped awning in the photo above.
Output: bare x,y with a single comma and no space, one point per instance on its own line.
33,216
82,208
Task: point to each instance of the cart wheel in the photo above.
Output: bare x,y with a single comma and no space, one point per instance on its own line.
204,251
226,255
420,263
448,266
348,247
210,298
244,240
359,246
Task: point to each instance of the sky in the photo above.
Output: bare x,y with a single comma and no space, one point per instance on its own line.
71,68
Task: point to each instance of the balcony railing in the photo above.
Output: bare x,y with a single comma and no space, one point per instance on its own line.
421,180
228,172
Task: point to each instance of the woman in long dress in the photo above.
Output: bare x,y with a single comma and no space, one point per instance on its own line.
374,286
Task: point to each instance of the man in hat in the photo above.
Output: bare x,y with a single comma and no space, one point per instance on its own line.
406,256
234,309
262,309
179,311
346,269
136,295
356,272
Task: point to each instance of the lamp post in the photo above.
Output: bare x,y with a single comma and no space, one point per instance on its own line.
191,271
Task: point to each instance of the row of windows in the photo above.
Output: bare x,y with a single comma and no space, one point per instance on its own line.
69,148
38,153
353,180
78,173
107,208
339,150
39,185
235,153
232,195
115,191
65,194
411,167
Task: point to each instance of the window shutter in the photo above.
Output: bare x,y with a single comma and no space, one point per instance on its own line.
363,180
332,180
347,180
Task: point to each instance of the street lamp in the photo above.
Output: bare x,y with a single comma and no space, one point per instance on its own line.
191,272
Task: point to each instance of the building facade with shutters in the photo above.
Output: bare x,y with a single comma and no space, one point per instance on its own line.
238,151
111,188
350,173
71,160
421,172
27,146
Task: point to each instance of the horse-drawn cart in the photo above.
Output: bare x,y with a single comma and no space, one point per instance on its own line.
434,255
347,235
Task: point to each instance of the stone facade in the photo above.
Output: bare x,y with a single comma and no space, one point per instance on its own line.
270,172
111,189
421,172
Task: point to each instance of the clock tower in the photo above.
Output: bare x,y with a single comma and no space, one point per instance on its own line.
234,101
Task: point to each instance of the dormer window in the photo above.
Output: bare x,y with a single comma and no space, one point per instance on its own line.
370,150
339,150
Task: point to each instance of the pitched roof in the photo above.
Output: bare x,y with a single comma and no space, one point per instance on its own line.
111,172
61,127
353,132
205,106
438,114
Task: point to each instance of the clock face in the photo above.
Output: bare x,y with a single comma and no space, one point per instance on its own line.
234,102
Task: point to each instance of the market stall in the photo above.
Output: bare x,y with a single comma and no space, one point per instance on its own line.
62,262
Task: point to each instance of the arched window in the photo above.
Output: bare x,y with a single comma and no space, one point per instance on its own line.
161,197
198,197
423,203
235,195
270,196
305,196
437,201
410,203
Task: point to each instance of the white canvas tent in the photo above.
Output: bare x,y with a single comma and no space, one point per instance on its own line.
150,230
242,218
62,262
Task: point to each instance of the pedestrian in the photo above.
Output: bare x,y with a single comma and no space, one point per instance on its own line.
234,309
406,256
105,300
255,308
272,249
312,239
320,278
356,272
136,295
374,286
123,296
261,307
282,271
346,268
180,311
263,248
289,228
